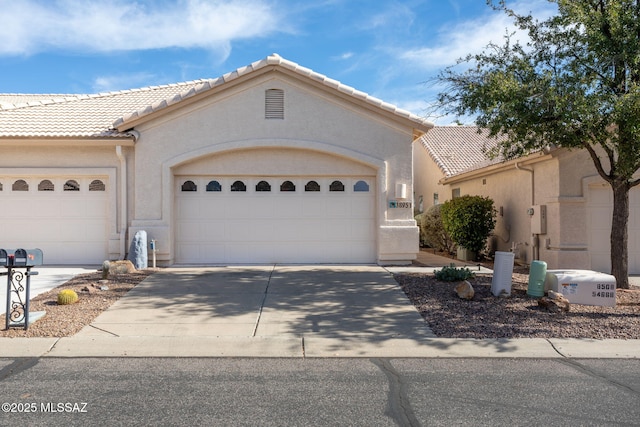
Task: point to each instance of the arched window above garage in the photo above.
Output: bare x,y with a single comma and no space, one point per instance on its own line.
336,186
45,185
274,104
238,186
263,186
287,186
312,186
20,185
71,185
97,185
361,186
214,186
189,186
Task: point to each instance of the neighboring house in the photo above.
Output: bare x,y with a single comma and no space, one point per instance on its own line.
451,161
270,163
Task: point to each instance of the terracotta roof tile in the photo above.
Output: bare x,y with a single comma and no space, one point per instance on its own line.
457,149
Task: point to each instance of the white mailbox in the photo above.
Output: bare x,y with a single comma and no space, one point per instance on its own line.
583,286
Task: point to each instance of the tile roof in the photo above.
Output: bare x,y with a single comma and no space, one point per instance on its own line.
106,115
77,116
458,149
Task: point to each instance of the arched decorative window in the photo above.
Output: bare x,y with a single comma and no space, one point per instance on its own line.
20,185
238,186
274,104
71,185
336,186
361,186
189,186
45,185
287,186
214,186
312,186
97,185
263,186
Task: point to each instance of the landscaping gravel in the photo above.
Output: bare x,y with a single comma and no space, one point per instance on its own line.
95,296
517,316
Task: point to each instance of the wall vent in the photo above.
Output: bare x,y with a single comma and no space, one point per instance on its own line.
274,104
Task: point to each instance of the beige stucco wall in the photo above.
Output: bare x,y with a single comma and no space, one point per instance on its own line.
330,131
555,180
426,179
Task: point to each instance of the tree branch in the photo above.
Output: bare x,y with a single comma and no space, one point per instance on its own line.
597,162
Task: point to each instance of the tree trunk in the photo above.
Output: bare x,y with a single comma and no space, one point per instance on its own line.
619,234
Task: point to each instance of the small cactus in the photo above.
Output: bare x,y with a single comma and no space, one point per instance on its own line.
105,270
67,296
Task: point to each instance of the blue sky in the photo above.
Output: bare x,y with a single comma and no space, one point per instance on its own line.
385,48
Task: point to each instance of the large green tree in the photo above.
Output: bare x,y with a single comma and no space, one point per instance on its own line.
574,83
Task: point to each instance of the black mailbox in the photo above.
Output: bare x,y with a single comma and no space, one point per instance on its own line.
20,257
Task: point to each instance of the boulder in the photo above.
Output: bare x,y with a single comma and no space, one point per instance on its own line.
121,267
465,290
554,303
138,250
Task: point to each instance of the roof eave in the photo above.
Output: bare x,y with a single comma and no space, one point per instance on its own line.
96,141
497,167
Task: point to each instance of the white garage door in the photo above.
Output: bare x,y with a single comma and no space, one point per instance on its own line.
599,211
275,219
65,217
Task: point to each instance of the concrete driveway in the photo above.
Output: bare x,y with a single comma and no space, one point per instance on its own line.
264,301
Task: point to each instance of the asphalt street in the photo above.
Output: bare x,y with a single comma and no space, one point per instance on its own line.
319,392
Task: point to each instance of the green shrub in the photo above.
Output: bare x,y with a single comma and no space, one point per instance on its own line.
453,274
432,230
469,220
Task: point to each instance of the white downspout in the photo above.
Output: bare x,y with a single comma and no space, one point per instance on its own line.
123,201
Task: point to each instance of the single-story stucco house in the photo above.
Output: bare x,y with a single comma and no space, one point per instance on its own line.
552,205
270,163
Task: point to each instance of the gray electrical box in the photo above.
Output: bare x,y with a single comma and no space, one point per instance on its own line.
538,219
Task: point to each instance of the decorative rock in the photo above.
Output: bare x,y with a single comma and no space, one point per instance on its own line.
465,290
138,250
554,303
121,267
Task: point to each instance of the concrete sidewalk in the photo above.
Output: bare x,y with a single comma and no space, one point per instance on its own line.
282,311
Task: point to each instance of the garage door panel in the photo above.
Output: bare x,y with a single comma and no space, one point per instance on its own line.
338,207
240,207
362,208
212,231
73,207
237,230
189,208
264,227
288,207
313,207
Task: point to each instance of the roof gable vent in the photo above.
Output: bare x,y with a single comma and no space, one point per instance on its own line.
274,104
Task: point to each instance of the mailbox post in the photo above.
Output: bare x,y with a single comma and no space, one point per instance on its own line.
18,263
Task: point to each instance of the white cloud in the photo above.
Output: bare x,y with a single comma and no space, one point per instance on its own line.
117,82
471,37
31,26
